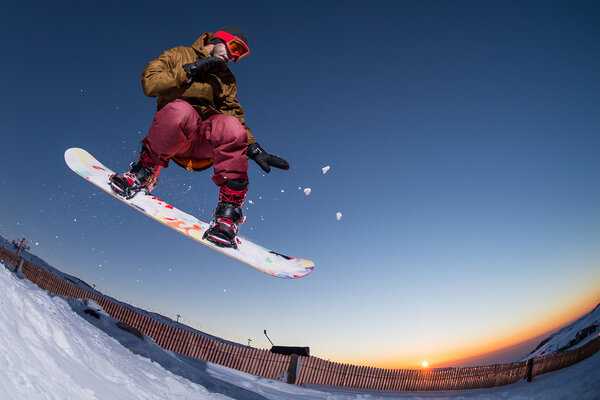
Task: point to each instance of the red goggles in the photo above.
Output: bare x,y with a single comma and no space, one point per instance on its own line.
236,46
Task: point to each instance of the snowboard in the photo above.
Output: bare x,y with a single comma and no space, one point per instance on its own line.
265,260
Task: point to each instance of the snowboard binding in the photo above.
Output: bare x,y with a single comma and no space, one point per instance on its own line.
228,214
139,178
142,176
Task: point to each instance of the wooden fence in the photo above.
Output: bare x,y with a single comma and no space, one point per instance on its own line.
317,371
8,256
311,370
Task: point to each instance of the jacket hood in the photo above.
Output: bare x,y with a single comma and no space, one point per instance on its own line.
202,41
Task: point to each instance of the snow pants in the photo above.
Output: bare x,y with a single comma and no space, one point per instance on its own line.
178,131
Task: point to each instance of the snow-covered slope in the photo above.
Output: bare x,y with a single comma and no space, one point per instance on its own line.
75,281
570,337
56,348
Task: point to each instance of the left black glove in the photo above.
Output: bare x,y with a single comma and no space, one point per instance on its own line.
264,159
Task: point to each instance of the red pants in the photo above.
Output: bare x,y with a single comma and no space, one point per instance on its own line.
178,131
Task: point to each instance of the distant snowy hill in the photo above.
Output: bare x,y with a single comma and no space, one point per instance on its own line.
570,337
58,348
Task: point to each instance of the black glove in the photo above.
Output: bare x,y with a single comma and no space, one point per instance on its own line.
204,66
264,159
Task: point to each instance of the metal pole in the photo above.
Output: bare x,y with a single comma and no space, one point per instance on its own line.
268,338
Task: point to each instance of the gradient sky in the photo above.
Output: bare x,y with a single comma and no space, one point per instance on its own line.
462,136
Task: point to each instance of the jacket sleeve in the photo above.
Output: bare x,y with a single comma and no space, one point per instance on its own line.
164,74
231,106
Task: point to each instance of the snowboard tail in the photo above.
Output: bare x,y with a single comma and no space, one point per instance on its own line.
265,260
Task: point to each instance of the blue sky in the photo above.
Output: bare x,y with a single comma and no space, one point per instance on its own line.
463,141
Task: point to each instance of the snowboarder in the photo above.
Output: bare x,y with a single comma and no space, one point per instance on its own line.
199,122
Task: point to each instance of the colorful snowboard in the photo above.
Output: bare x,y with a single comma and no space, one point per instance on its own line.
270,262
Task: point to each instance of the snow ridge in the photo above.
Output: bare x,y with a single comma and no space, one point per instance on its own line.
570,337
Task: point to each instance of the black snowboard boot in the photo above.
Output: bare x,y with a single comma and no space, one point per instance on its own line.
228,214
142,176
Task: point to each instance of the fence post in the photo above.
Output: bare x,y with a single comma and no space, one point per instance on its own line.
19,264
293,369
530,370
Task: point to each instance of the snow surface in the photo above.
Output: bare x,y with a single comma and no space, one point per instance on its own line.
55,348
